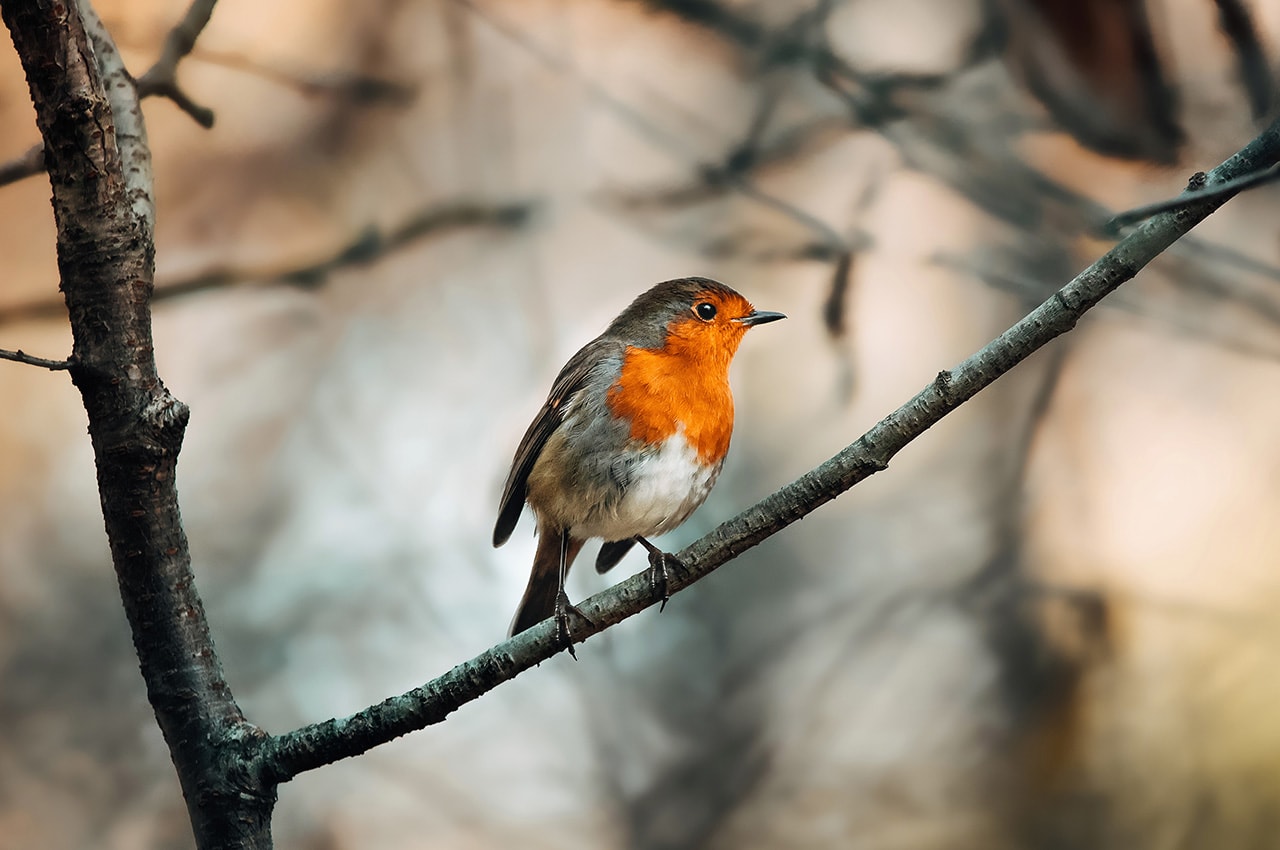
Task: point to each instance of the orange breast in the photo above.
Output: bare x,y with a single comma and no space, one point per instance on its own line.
659,390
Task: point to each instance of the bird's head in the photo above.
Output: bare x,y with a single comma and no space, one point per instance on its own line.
692,317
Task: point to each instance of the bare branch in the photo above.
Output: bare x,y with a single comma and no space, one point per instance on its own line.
162,77
29,164
369,246
1255,72
285,756
366,247
170,89
1194,194
20,356
350,86
833,310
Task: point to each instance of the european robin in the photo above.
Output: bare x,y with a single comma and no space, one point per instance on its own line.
631,438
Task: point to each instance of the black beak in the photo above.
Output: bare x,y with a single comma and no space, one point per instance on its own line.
759,317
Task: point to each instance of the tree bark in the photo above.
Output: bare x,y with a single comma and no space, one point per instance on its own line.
102,201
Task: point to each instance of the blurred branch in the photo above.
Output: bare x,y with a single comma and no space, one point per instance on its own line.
1000,182
369,246
160,79
27,165
1116,100
285,756
738,162
557,62
20,356
346,85
833,310
1255,72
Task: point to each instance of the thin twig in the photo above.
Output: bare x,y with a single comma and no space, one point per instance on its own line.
368,246
728,175
1189,324
283,757
162,77
1191,197
350,86
21,356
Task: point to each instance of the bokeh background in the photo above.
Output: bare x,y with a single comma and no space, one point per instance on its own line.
1050,624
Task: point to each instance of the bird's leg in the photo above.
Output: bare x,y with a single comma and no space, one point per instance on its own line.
659,574
563,605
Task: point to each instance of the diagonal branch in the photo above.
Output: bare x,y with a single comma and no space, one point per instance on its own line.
1195,193
283,757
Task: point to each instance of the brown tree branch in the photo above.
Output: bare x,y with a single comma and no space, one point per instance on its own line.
285,756
366,247
102,201
160,79
350,86
21,356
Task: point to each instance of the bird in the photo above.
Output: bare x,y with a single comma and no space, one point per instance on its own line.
630,440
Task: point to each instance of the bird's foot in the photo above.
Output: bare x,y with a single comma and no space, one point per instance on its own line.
660,565
563,608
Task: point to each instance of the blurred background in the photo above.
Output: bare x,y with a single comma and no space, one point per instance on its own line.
1050,624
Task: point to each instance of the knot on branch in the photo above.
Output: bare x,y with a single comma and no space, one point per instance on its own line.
942,384
166,85
870,466
166,414
1069,302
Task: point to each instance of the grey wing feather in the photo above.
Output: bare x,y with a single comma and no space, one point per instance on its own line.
572,378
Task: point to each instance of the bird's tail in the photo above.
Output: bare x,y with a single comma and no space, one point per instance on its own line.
539,600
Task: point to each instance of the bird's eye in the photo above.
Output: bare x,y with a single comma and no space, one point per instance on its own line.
705,311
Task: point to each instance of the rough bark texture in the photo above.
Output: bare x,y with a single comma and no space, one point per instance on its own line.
102,205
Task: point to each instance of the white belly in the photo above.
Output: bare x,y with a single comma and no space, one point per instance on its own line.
664,488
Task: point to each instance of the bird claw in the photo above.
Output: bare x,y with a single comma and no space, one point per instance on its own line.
563,607
660,573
